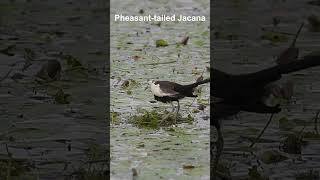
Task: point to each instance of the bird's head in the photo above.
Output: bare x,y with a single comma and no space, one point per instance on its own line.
151,82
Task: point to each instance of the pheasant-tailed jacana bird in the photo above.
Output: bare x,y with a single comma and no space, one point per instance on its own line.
167,92
248,92
251,89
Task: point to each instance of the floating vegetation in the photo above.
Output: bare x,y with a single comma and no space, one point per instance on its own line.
128,85
285,124
154,119
61,97
12,168
199,43
74,67
196,71
310,135
46,37
195,110
147,120
72,62
115,118
272,156
161,43
254,174
275,37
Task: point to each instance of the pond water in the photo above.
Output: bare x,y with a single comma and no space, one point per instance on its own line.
180,152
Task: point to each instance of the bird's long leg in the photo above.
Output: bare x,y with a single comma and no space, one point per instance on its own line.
173,108
261,133
166,116
178,108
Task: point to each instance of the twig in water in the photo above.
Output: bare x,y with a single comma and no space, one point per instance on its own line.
261,133
300,133
316,122
7,75
168,62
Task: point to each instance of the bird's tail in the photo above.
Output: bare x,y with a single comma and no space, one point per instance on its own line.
307,62
274,73
297,35
187,90
197,83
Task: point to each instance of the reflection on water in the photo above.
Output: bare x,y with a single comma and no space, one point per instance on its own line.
247,22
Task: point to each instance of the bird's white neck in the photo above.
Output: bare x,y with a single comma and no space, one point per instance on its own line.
155,89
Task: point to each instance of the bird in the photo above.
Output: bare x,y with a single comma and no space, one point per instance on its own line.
168,92
248,92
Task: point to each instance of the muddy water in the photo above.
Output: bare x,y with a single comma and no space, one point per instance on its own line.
54,140
249,52
164,153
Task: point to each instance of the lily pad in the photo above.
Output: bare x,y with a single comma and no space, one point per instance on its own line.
275,37
161,43
272,156
61,97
